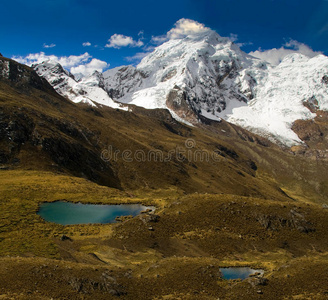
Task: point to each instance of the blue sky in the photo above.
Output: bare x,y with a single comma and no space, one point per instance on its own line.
60,27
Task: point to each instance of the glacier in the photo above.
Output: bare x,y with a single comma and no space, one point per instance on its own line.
205,75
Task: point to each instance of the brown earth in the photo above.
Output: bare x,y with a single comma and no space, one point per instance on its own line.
224,197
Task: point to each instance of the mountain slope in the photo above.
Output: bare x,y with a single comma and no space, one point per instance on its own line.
87,90
42,130
285,95
205,74
207,77
223,197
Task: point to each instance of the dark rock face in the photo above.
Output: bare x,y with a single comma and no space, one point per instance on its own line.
312,104
307,130
177,101
22,76
146,218
79,160
14,132
69,146
224,151
62,143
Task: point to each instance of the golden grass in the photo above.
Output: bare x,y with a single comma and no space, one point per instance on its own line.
195,236
212,214
23,232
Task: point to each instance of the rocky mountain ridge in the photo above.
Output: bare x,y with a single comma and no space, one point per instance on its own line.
206,76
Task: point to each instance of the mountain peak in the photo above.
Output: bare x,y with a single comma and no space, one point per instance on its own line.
204,67
210,36
81,89
200,75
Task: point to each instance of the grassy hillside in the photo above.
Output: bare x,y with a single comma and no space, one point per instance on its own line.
179,257
224,197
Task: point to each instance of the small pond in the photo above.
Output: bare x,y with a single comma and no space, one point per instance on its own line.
67,213
238,272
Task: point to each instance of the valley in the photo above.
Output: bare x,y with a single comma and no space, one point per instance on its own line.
253,203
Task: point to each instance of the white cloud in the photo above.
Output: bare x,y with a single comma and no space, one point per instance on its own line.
181,29
137,57
83,63
233,37
65,61
159,39
87,69
185,27
119,40
275,56
139,43
49,46
86,44
243,44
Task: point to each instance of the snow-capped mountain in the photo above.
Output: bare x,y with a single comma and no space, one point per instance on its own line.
206,75
87,89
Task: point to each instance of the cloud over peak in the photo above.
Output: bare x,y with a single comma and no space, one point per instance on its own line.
119,40
83,63
90,67
181,29
185,27
275,56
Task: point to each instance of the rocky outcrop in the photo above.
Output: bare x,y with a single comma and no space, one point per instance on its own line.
15,130
89,90
314,134
176,100
149,217
294,219
122,80
22,76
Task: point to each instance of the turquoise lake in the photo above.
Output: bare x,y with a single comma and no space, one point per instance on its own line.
238,272
67,213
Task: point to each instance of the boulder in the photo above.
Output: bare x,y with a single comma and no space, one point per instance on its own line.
65,238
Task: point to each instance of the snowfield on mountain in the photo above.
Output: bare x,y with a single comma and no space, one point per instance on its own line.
205,75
